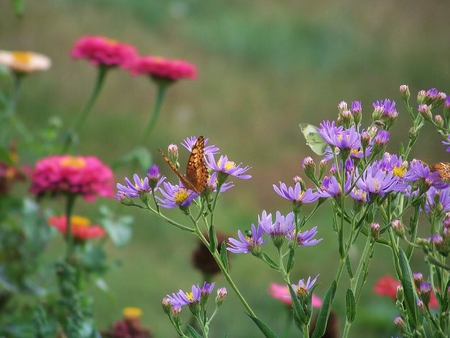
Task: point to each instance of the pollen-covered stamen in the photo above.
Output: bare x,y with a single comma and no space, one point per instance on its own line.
399,171
180,196
190,296
230,165
22,57
301,290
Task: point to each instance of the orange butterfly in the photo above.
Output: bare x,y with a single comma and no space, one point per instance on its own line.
443,168
196,170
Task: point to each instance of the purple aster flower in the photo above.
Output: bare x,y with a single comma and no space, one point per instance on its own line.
207,288
340,137
154,176
303,288
251,242
176,196
420,171
331,188
186,298
212,183
447,143
385,108
382,138
442,196
377,182
282,226
391,163
306,238
223,165
296,194
189,142
425,291
359,195
133,190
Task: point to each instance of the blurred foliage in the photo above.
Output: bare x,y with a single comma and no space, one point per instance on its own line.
264,67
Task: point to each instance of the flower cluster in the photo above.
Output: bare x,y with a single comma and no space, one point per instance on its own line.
77,175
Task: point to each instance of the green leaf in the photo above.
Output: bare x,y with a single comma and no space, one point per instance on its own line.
324,313
141,155
268,333
18,7
291,261
192,332
350,306
118,227
270,262
4,156
224,255
408,287
299,313
349,267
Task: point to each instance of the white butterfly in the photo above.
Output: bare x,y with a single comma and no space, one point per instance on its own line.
313,139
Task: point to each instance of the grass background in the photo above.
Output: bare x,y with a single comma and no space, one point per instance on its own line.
264,66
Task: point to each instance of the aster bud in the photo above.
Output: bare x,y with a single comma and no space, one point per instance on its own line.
400,323
421,306
425,111
342,106
173,154
418,278
310,167
412,133
404,92
447,108
397,226
421,97
441,246
322,167
400,293
153,175
377,113
425,292
124,199
440,98
439,121
375,230
346,118
167,306
297,179
365,139
221,295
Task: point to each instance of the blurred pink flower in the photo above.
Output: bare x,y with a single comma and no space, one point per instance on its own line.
162,68
100,50
281,293
386,286
80,227
81,175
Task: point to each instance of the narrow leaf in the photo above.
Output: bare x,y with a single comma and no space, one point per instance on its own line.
349,267
192,332
224,255
270,262
268,333
299,314
408,287
212,239
291,261
324,313
350,306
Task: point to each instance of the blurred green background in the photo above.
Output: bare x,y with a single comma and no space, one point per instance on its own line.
264,66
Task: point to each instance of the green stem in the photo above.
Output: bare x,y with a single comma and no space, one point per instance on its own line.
69,237
156,111
102,71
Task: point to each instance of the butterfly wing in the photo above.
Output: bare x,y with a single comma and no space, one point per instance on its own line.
313,138
196,170
183,179
443,168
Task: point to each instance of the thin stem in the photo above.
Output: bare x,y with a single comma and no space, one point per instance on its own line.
102,71
69,237
156,111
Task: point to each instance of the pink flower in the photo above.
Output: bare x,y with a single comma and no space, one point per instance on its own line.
100,50
281,293
386,286
162,68
66,174
80,227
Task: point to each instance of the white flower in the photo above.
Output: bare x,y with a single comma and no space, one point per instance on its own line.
24,62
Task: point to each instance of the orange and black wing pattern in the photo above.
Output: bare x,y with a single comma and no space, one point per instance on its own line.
443,168
196,171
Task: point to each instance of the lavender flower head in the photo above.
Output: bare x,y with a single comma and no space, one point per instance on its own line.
340,137
306,238
385,108
296,194
189,142
176,196
251,242
303,288
226,167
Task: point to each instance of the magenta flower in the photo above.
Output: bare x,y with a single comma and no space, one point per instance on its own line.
296,194
176,196
101,51
78,175
227,167
163,68
251,242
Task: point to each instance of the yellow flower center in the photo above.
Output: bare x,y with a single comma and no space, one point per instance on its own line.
137,186
190,296
132,312
22,57
354,151
79,221
300,195
301,290
73,161
230,165
399,171
376,184
180,196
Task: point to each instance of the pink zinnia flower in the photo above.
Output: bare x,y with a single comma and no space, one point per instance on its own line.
81,175
386,286
162,68
80,227
281,293
100,50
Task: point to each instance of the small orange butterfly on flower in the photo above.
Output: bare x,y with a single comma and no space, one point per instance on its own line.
443,168
197,174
